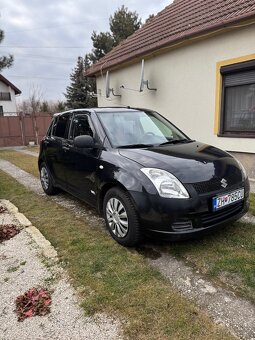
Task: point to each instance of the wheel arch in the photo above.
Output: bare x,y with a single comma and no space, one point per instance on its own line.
104,189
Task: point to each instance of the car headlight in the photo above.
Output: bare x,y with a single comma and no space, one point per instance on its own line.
167,185
244,173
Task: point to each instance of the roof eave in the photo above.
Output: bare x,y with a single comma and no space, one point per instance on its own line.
8,83
217,28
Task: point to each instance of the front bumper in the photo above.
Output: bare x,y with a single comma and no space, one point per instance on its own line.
178,219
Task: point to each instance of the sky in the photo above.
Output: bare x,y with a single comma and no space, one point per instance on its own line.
46,37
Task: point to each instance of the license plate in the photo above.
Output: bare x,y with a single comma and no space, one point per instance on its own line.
227,199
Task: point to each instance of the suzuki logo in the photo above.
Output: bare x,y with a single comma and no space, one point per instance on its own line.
224,183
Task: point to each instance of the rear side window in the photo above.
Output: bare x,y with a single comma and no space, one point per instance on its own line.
61,126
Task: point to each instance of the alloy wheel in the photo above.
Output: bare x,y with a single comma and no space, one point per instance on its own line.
44,178
117,217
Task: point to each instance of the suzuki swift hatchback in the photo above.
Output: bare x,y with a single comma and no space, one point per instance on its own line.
142,173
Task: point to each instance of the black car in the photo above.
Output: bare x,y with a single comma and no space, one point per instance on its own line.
142,173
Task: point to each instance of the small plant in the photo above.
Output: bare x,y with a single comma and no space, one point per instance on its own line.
2,209
35,301
8,231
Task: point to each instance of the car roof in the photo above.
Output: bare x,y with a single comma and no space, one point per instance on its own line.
101,110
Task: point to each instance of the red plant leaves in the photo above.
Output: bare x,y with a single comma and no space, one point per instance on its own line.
35,301
8,231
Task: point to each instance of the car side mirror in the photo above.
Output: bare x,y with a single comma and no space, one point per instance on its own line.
84,141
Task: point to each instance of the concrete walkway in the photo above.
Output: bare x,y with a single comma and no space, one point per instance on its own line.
223,306
27,152
28,260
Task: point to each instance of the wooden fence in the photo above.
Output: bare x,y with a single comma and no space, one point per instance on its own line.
20,130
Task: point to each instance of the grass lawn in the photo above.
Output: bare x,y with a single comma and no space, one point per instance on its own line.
111,278
252,207
228,257
33,148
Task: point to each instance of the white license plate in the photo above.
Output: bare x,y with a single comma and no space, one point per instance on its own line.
227,199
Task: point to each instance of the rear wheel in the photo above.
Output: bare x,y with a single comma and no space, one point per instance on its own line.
46,180
121,217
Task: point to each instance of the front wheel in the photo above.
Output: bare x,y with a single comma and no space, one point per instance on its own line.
121,217
46,180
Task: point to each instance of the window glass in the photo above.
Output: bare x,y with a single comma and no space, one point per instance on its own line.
50,128
138,127
81,125
240,108
61,125
238,99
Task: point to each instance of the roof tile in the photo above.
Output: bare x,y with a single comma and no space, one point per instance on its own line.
178,21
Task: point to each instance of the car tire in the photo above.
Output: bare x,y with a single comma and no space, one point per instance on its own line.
46,180
121,217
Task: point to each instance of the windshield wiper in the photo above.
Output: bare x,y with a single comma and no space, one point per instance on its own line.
176,141
130,146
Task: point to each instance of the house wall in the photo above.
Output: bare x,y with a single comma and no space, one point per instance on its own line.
8,106
185,79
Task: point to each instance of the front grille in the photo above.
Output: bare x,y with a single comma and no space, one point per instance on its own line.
214,184
211,218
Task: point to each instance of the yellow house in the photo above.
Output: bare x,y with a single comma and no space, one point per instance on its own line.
200,58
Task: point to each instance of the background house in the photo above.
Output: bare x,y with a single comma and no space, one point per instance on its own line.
8,91
200,56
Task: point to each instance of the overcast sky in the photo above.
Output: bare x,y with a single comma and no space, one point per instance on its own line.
46,37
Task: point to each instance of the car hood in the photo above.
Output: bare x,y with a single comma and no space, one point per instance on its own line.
190,162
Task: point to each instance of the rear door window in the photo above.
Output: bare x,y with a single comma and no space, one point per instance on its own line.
61,125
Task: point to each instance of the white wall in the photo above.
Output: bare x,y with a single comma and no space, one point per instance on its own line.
185,79
8,106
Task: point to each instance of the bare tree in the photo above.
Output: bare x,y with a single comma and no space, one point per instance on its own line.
35,98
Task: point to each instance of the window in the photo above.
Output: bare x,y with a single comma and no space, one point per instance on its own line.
138,127
238,100
81,126
5,96
61,125
50,128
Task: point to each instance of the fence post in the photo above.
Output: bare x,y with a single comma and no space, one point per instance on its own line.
21,129
35,128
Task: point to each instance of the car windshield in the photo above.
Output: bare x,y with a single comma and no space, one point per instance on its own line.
139,129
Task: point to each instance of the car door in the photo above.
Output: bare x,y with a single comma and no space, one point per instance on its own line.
55,143
82,163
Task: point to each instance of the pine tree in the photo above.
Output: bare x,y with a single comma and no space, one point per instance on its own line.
123,23
78,94
5,61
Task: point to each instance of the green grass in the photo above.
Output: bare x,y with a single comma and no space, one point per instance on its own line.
111,278
252,201
227,256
